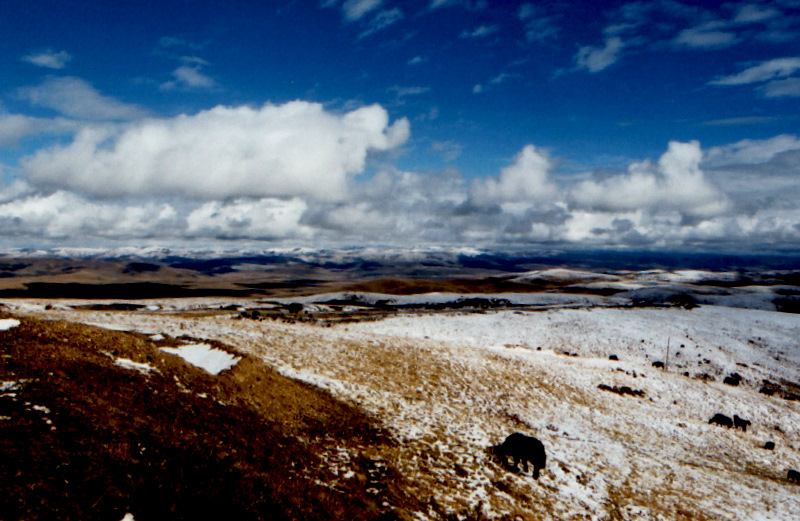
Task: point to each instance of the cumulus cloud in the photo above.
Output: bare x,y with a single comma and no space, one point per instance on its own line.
524,181
737,195
49,59
596,59
262,219
676,183
66,215
295,149
77,98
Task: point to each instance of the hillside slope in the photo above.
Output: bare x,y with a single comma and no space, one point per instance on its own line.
95,424
445,386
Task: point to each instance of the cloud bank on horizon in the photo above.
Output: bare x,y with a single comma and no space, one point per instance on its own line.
87,161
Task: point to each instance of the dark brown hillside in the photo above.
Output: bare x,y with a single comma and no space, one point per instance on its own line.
84,438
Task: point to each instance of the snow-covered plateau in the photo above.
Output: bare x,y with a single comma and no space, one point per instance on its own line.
449,384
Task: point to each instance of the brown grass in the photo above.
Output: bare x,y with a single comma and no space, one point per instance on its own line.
175,443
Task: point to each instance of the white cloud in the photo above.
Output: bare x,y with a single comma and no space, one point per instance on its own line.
785,88
49,59
752,151
471,5
66,215
168,42
706,36
416,60
755,13
740,195
676,183
76,98
265,219
503,77
14,127
286,150
538,28
382,20
355,9
402,92
189,77
449,150
527,180
481,31
596,59
765,71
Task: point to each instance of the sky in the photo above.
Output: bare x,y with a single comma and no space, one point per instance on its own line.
655,125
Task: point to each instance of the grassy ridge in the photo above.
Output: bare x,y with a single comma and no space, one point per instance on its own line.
83,438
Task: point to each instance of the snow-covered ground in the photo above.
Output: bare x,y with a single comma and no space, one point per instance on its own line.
447,385
204,356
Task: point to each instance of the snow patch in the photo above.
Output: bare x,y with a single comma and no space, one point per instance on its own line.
8,323
205,357
136,366
565,275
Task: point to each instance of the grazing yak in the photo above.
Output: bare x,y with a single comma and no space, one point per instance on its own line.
740,423
793,475
721,419
770,445
521,448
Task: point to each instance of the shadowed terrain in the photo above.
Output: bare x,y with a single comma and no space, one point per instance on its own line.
85,437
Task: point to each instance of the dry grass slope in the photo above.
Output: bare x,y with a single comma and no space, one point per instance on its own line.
83,438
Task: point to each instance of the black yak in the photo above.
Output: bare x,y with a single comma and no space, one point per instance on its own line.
793,475
521,448
740,423
770,445
721,419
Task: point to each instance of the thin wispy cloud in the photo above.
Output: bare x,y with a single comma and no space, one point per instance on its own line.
707,36
596,59
382,20
472,5
538,26
49,59
744,120
765,71
481,31
189,77
77,98
356,9
755,13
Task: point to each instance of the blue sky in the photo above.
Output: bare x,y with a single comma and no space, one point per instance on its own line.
648,124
